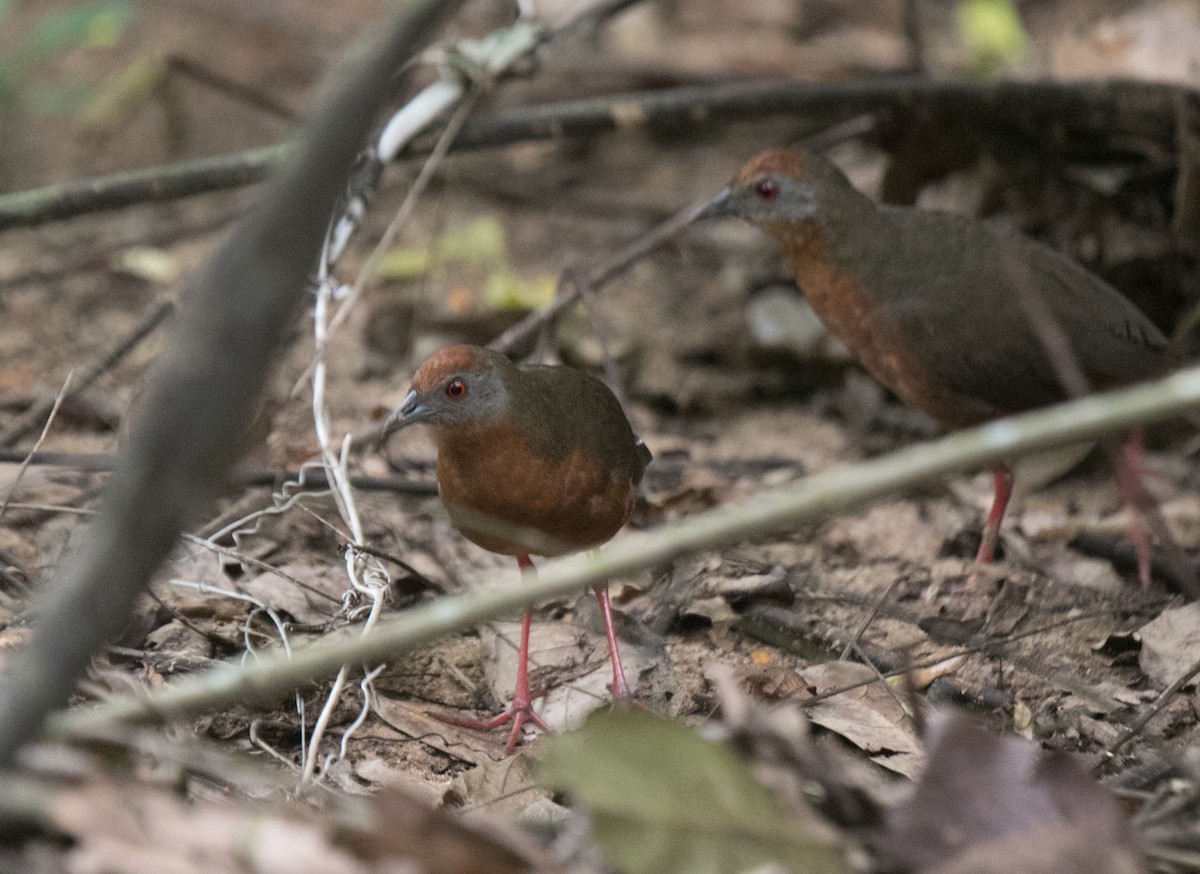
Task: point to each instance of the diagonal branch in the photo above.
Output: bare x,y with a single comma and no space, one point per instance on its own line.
816,496
204,390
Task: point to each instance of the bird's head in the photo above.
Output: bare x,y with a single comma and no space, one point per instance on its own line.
773,186
458,385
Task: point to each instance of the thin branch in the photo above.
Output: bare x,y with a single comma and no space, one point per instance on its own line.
595,278
240,91
826,493
148,185
153,316
1124,111
62,393
1154,709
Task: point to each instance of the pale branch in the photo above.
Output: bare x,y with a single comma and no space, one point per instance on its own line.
1121,114
815,497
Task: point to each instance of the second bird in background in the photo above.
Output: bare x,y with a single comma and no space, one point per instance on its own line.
943,309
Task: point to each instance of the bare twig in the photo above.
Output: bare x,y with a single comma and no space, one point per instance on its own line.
865,623
153,316
241,91
149,185
62,393
593,279
825,493
1153,710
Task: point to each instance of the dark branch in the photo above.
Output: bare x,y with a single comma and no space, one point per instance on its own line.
1121,115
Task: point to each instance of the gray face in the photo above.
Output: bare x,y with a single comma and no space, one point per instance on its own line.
767,197
455,399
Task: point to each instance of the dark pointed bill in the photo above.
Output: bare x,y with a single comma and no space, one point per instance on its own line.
410,412
718,206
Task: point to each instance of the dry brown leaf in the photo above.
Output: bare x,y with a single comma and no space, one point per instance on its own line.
506,787
413,721
869,716
1170,643
311,594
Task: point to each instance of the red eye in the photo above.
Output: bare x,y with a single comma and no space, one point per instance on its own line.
456,388
766,189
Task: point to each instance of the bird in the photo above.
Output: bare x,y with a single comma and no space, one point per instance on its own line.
951,314
532,459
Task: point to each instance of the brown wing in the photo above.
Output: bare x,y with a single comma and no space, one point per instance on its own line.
966,315
569,409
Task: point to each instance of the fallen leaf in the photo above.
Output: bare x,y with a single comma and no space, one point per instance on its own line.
869,716
311,594
664,800
412,721
1170,643
507,787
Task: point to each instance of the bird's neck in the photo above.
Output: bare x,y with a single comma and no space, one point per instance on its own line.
846,230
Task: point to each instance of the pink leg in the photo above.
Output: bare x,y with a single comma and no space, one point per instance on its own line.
522,705
1002,485
620,689
1134,498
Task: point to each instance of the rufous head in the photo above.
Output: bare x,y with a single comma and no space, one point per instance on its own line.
457,385
772,186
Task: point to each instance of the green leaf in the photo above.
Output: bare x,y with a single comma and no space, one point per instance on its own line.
480,242
664,800
507,291
992,31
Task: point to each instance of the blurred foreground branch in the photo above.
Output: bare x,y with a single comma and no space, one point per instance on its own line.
814,497
204,390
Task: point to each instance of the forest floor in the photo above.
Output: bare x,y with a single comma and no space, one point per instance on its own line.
730,382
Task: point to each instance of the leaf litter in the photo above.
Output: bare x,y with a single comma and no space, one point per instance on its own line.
729,408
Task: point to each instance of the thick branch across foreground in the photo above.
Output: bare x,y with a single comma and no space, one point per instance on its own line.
265,681
205,385
1144,114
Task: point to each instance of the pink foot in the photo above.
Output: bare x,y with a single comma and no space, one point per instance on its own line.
522,705
1135,498
518,714
1002,486
619,688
